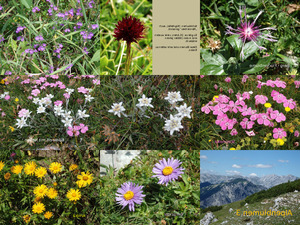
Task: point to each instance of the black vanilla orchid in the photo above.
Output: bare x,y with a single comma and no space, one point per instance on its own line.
129,29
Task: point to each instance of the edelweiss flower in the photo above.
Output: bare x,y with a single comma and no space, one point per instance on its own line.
117,109
248,31
173,124
144,102
81,114
21,122
183,111
174,97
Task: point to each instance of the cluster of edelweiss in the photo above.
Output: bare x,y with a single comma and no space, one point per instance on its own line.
166,170
45,105
171,125
41,191
222,104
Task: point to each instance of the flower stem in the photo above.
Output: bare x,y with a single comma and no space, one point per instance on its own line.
128,59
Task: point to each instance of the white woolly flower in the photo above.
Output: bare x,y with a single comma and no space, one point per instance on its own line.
174,97
82,114
89,98
69,91
36,101
58,110
144,102
21,122
117,109
173,124
183,111
41,109
67,122
46,101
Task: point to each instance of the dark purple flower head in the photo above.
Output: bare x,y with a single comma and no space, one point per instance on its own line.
167,170
129,29
129,194
248,31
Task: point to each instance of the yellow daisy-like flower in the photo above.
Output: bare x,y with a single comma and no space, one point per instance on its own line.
73,195
48,215
232,149
55,184
30,168
267,105
16,100
40,172
26,218
16,169
7,176
55,167
280,141
2,164
11,128
215,97
52,193
84,179
16,161
73,167
38,208
40,191
287,109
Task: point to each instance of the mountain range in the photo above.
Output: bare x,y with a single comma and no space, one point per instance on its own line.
217,190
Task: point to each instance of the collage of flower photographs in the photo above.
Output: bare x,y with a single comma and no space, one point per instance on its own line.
143,112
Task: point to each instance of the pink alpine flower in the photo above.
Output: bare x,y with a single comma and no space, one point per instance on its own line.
227,125
246,124
276,115
58,103
297,83
296,134
233,132
83,128
248,31
73,131
244,79
228,79
230,91
250,133
66,95
83,90
259,77
246,95
260,99
216,87
263,118
221,119
278,133
207,108
290,103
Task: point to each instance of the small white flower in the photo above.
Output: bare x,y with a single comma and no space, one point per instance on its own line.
81,114
67,122
21,122
36,101
174,97
250,92
173,124
89,98
58,110
46,101
183,111
117,109
41,109
49,96
67,114
69,91
144,102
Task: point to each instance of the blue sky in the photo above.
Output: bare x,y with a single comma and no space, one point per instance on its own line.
250,163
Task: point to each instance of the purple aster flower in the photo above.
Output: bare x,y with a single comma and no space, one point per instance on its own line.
1,38
79,25
1,8
167,171
248,31
67,30
129,194
39,38
19,29
20,38
85,50
35,9
95,26
50,12
8,72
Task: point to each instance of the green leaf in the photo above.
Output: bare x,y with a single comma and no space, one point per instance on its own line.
96,56
259,66
13,44
212,70
27,3
103,61
210,58
249,49
235,42
286,59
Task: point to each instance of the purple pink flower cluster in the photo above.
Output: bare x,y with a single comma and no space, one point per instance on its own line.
222,104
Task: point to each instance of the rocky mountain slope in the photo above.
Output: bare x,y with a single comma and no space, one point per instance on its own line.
226,192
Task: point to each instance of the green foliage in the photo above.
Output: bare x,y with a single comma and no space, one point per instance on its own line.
274,191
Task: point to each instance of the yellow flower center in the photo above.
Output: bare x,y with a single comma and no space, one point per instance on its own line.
167,170
128,195
74,195
268,105
85,178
